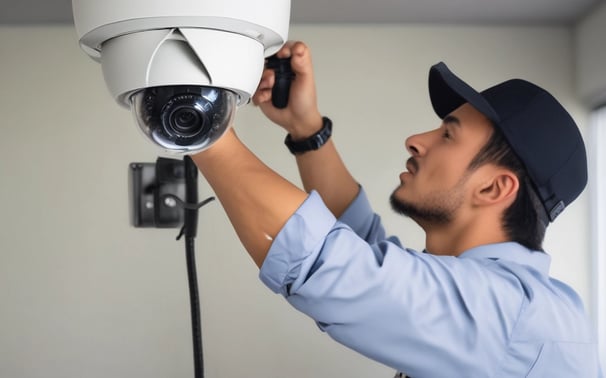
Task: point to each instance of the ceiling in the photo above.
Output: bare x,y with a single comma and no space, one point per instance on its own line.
543,12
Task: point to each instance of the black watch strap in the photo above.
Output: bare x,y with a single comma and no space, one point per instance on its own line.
313,142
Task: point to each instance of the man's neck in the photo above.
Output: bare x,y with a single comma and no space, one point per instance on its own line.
453,239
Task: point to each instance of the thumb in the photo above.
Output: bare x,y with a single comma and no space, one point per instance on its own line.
301,59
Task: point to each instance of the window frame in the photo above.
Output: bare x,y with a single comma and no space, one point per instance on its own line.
597,185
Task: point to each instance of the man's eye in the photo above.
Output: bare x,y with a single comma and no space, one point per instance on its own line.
446,134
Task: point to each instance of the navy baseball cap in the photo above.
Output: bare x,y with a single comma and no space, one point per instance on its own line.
538,128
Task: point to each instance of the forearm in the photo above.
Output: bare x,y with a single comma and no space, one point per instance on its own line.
323,170
257,200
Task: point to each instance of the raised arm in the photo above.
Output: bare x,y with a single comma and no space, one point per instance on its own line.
257,200
322,170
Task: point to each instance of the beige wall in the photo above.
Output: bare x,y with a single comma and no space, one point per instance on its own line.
85,295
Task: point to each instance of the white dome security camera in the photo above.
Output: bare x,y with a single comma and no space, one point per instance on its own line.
183,66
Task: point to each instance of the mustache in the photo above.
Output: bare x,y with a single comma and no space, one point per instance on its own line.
412,162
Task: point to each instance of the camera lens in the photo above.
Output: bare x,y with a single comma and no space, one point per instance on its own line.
184,119
185,116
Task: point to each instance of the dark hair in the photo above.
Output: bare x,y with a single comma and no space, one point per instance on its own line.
523,221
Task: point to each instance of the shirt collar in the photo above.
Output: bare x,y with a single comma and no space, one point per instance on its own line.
511,251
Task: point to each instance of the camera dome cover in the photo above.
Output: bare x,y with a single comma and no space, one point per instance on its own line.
184,119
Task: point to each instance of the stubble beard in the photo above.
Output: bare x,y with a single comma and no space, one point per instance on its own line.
437,208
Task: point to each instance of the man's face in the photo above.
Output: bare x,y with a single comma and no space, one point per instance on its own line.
435,186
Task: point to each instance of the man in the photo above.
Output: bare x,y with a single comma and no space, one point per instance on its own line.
483,186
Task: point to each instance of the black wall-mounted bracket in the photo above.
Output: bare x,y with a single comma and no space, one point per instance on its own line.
150,185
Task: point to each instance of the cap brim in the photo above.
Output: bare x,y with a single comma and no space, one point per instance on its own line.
448,92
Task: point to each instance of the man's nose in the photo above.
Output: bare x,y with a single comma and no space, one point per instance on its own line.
415,144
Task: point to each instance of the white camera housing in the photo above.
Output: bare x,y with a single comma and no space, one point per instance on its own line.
182,66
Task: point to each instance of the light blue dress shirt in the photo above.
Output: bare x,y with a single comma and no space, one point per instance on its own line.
491,312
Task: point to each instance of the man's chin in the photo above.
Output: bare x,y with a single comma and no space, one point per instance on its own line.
398,205
418,214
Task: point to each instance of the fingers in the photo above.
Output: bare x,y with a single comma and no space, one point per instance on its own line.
300,56
263,93
301,65
286,50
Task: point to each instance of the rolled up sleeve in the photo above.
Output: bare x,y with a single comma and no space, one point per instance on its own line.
297,245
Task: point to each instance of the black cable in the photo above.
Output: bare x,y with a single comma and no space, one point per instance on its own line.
194,301
190,207
190,226
183,205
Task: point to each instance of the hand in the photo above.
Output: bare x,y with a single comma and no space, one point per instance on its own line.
301,117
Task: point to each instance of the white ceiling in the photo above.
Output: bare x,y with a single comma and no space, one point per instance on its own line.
556,12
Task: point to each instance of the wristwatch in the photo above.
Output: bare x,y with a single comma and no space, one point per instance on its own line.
313,142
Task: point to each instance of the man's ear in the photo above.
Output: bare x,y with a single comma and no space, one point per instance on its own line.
499,186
